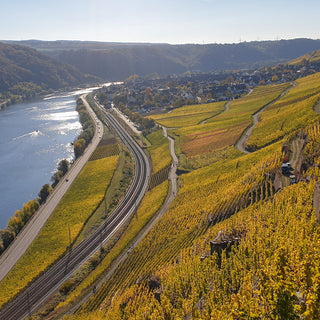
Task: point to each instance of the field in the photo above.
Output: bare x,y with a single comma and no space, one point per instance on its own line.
77,205
225,130
159,151
189,115
293,111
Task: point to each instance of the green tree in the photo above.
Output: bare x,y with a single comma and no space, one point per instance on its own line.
6,237
63,166
44,192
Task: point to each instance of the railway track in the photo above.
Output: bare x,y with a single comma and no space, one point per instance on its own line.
26,302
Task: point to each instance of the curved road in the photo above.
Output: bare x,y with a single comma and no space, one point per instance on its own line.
33,227
42,288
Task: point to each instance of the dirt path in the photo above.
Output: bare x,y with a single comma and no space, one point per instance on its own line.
226,108
256,118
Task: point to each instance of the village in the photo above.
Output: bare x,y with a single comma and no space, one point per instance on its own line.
152,94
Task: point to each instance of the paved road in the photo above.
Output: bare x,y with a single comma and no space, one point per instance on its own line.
31,230
42,288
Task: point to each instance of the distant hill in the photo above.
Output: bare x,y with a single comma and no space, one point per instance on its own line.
23,67
117,61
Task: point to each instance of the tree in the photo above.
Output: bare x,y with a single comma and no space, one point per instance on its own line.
79,146
44,192
147,123
7,237
63,166
56,177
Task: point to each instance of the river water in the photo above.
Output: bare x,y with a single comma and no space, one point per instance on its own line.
34,137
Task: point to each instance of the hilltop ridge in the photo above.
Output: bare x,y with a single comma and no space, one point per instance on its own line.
117,61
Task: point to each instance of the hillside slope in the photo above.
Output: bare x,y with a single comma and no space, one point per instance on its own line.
116,61
20,65
273,270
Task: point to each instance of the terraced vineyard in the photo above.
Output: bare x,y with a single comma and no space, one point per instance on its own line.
189,115
196,209
293,111
273,271
225,130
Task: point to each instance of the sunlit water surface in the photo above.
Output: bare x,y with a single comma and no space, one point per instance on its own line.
34,137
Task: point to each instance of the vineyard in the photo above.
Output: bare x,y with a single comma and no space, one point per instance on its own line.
293,111
159,177
225,130
273,272
159,151
197,207
105,151
189,115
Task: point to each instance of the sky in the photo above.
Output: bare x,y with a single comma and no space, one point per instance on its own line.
166,21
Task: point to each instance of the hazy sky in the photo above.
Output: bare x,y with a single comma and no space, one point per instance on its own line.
169,21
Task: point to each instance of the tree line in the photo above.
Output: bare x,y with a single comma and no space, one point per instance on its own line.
88,129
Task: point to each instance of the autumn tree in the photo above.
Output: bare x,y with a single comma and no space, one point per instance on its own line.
79,147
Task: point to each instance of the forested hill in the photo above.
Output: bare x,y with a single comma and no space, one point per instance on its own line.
23,68
116,61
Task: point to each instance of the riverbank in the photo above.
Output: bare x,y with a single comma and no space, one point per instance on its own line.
28,234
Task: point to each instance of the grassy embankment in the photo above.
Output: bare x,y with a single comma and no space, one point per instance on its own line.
262,276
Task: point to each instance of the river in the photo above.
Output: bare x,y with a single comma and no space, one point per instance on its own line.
34,137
